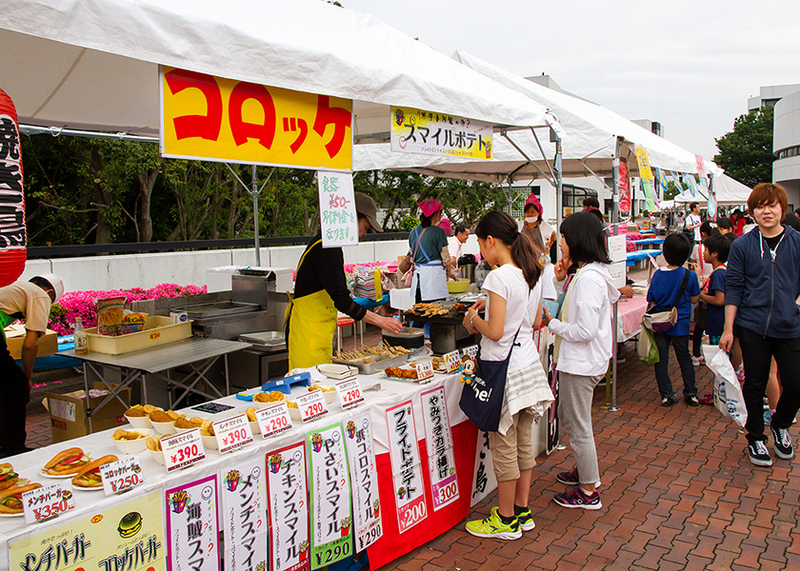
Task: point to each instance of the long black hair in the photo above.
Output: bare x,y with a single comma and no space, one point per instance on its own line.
585,238
501,226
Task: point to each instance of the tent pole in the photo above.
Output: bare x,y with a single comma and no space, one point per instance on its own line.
254,192
557,166
614,222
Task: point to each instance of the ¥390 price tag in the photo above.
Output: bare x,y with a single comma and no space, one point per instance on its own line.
274,420
312,405
182,450
47,502
349,392
424,370
122,475
471,351
452,361
233,433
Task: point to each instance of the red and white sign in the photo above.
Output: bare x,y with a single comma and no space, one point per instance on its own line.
13,236
424,370
47,502
233,433
439,440
349,392
409,486
122,475
287,508
244,516
452,361
192,534
182,450
274,420
364,481
312,405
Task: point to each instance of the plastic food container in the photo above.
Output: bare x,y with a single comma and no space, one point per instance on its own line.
134,446
459,286
158,330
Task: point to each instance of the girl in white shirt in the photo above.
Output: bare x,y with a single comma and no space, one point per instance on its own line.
583,349
513,309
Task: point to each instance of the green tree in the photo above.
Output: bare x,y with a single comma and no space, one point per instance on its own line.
746,152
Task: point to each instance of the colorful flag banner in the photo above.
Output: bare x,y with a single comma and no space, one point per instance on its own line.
644,164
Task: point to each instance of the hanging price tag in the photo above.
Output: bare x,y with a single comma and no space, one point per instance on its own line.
47,502
312,405
452,361
471,351
122,475
274,420
232,433
182,450
424,370
349,392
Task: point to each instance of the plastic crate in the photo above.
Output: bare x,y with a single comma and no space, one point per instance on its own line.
158,330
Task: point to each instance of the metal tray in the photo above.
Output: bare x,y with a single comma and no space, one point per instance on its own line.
380,363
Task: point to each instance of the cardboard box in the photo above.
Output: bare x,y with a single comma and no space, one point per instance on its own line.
15,335
68,413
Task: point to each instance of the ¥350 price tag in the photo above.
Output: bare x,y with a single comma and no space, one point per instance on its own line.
182,450
452,361
471,351
349,392
233,433
274,420
122,475
47,502
424,370
312,405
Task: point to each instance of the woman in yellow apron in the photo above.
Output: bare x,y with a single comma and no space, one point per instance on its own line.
321,290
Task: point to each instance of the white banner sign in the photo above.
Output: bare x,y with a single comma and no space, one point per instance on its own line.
364,481
337,208
288,508
244,502
192,526
483,481
439,439
409,486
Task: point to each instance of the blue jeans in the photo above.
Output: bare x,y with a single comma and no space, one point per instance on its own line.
681,345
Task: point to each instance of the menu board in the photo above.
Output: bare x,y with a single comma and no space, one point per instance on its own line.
192,537
244,518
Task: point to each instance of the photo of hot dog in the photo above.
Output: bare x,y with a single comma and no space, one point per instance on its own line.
8,477
66,462
11,498
89,474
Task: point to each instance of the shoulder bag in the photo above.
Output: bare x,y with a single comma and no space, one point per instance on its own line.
406,266
663,321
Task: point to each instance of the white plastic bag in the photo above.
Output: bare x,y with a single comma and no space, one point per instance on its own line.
727,390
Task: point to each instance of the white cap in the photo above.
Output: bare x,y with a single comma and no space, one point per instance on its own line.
56,282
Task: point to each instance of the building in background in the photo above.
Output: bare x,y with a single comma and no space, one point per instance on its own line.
786,145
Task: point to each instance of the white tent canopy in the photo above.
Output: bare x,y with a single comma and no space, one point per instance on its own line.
728,191
93,64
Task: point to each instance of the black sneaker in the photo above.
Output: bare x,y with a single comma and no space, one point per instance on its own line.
758,453
692,401
669,401
577,498
571,478
525,520
783,443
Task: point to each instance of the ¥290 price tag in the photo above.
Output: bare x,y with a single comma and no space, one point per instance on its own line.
312,405
182,450
274,420
47,502
452,361
424,370
471,351
233,433
349,392
122,475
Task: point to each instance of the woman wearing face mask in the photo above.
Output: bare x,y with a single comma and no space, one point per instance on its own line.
539,231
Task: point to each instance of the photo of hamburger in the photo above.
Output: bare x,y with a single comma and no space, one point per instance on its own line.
66,462
8,477
88,477
130,525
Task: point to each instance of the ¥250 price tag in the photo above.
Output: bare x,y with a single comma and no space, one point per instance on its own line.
47,502
424,370
182,450
452,361
312,405
122,475
274,420
349,392
233,433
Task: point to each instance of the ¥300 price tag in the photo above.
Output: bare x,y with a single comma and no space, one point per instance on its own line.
349,392
452,361
424,370
274,420
182,450
233,433
47,502
312,405
122,475
471,351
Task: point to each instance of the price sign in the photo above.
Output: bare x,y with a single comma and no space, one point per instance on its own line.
47,502
274,419
182,450
312,405
452,361
122,475
232,433
424,370
349,392
471,351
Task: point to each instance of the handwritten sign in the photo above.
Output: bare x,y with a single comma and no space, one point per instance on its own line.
182,450
452,361
616,249
122,475
337,208
274,420
349,392
424,370
312,406
416,131
233,433
47,502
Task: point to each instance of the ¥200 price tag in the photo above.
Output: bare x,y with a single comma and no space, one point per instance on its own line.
452,361
47,502
424,370
349,392
122,475
233,433
182,450
471,351
312,405
274,420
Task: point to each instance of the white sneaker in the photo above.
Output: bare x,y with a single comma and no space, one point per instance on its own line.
698,361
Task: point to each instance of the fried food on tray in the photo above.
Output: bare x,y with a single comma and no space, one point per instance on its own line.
459,307
401,373
136,411
291,404
154,443
321,388
183,422
120,434
160,416
251,414
207,429
272,396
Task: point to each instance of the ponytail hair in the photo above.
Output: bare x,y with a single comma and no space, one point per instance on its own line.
501,226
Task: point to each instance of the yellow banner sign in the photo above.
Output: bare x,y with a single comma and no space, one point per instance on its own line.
428,133
644,164
212,118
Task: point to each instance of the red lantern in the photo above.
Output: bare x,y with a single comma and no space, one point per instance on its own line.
13,237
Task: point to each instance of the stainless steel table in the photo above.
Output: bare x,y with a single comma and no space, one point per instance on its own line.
197,353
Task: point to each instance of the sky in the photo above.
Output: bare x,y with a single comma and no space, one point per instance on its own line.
689,65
